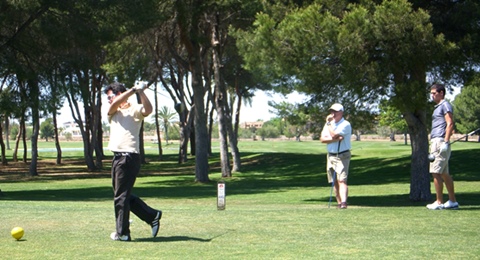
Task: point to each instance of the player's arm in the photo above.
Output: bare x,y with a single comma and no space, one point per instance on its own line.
326,137
147,106
123,97
450,125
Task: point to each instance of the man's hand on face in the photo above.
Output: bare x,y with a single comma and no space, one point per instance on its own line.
329,118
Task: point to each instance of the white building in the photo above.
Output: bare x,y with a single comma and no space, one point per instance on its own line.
72,128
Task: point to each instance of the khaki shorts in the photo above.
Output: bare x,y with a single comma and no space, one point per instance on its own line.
440,165
338,165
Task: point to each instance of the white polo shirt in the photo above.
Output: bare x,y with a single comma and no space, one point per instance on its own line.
344,129
125,127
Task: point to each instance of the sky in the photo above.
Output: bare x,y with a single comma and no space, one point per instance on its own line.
259,110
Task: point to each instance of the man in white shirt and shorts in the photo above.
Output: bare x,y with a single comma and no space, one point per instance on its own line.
337,133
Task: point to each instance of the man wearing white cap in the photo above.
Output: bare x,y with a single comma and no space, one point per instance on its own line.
337,133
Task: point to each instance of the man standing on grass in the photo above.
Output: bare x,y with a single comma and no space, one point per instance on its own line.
125,122
337,133
442,130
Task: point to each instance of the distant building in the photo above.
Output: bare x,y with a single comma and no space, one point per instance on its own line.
248,125
72,128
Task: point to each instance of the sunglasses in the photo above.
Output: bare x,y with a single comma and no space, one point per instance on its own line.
110,97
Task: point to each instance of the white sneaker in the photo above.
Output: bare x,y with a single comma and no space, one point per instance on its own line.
116,237
451,205
435,205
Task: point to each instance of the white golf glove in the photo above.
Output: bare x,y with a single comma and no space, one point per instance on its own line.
140,86
444,147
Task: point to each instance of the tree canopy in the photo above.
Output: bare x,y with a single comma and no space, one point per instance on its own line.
357,54
466,108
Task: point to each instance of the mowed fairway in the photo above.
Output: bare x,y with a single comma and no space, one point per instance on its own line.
276,208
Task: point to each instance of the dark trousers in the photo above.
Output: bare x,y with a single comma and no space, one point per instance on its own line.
125,168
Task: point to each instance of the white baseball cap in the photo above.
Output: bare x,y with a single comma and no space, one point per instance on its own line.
336,107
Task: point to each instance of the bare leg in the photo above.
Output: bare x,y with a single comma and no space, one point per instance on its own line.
450,187
438,182
337,192
343,191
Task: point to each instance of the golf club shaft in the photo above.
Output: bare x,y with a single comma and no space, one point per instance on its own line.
469,134
331,190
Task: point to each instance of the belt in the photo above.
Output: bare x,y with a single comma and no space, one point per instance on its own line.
118,154
335,154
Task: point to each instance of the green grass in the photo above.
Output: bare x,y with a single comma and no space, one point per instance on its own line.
277,208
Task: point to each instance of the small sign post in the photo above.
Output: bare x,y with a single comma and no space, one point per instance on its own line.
221,195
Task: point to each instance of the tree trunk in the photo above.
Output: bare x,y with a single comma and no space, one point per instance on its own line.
222,129
85,128
359,135
223,108
57,141
211,115
234,146
24,141
201,133
2,145
19,136
237,111
35,104
185,133
392,137
193,135
165,126
99,155
87,151
419,172
200,120
191,37
7,132
97,130
36,126
221,104
157,124
88,155
210,101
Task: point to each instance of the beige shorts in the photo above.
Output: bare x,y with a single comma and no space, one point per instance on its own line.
338,165
440,165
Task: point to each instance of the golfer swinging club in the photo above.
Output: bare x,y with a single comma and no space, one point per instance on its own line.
125,120
337,133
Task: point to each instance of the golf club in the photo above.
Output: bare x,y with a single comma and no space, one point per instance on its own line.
431,156
331,190
144,84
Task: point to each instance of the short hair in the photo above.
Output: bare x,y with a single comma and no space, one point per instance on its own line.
438,87
116,87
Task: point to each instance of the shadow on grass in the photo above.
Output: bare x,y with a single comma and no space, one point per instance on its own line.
171,239
260,173
469,200
180,238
